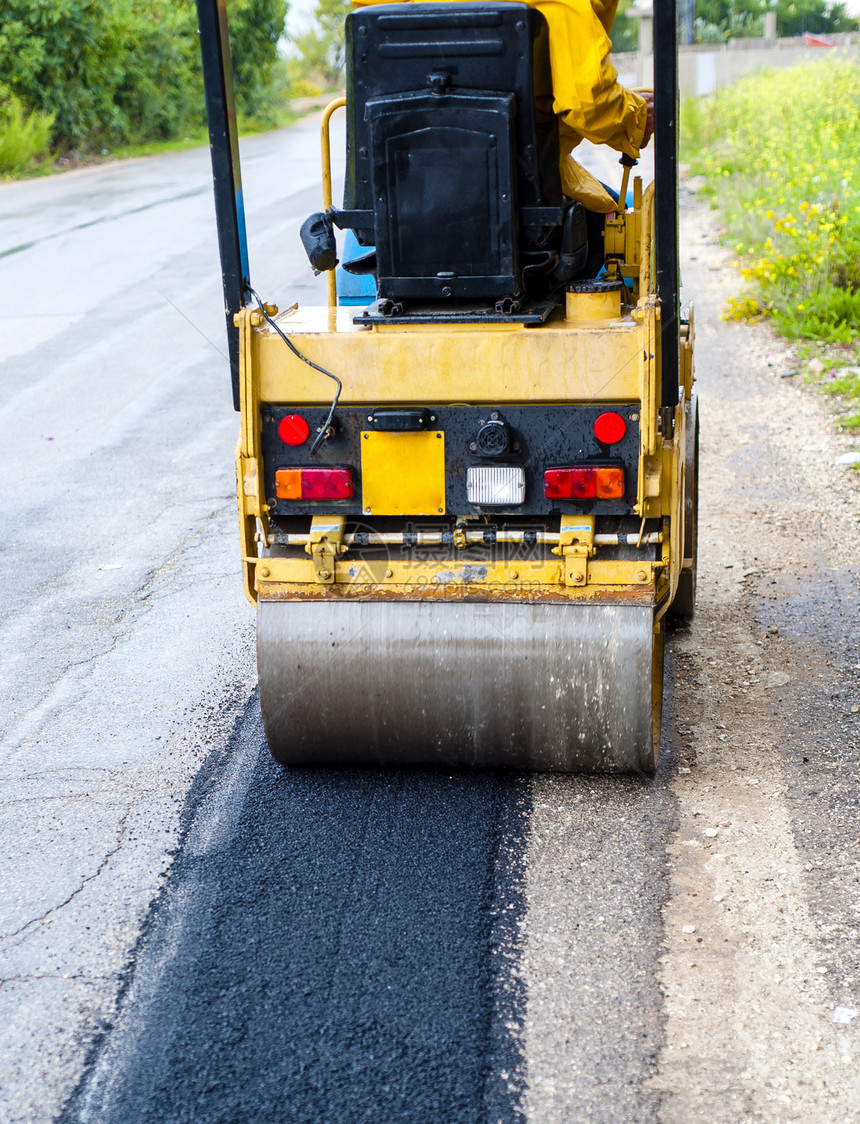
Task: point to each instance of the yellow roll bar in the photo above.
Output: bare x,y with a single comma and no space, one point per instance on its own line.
325,145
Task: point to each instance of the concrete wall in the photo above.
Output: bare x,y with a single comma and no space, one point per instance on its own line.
705,68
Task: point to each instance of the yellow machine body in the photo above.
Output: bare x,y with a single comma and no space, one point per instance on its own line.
589,352
567,360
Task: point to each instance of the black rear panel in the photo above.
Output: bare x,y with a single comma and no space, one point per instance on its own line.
534,437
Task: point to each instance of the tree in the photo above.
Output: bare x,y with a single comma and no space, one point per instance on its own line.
55,57
256,28
794,17
119,71
321,51
738,18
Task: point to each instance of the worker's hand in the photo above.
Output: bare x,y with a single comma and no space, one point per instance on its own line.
648,97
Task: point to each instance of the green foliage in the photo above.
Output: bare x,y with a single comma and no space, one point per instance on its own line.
625,31
118,72
738,19
320,51
304,88
24,138
709,32
157,89
781,153
256,27
56,56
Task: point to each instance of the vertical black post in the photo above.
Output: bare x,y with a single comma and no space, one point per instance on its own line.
227,176
666,123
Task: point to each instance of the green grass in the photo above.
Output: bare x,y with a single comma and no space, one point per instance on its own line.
842,379
780,153
154,148
248,126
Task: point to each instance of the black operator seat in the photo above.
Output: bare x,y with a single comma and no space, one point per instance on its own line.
452,153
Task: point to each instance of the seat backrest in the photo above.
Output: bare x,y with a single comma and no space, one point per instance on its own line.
452,146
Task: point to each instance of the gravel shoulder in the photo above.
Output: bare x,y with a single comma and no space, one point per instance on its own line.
761,925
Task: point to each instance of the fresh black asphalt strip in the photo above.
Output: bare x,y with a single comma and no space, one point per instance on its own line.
329,946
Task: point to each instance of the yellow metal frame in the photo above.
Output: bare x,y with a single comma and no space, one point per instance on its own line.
562,361
325,149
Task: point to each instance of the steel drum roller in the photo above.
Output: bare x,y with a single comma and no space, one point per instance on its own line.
562,688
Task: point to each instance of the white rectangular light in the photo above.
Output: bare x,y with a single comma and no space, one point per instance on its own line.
497,484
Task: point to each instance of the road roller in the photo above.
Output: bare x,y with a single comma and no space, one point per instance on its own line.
467,483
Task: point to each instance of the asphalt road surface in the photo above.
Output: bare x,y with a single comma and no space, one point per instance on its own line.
190,933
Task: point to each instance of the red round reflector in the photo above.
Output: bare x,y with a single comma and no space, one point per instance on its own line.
293,429
610,428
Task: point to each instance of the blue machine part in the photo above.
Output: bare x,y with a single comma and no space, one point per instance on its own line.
351,289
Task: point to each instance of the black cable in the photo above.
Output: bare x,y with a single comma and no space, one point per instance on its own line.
320,437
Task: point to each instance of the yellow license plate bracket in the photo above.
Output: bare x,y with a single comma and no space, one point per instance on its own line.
403,473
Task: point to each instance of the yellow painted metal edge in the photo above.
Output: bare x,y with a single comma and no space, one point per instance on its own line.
688,345
673,515
546,576
550,363
253,511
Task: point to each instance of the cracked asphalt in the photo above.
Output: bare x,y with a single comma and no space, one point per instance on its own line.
189,933
127,644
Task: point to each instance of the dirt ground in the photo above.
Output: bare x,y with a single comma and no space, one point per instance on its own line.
761,971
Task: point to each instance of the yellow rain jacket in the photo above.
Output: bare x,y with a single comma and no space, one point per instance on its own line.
587,97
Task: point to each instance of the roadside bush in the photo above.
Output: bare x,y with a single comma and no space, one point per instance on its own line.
109,71
256,27
24,137
781,155
302,88
113,72
157,83
53,57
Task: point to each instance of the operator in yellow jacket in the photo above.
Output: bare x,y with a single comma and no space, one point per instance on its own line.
588,99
